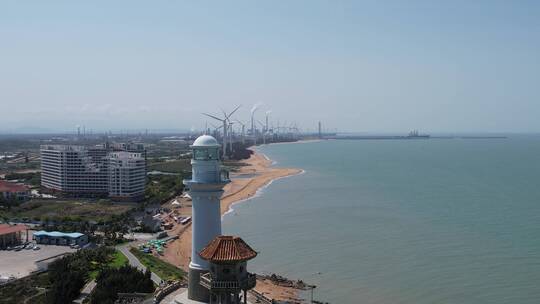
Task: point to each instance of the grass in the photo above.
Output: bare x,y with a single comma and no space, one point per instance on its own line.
175,166
163,269
118,259
75,209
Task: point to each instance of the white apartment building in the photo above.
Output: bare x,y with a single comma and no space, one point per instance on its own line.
127,175
88,171
74,169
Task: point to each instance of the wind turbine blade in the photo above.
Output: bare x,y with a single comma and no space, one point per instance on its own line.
212,116
233,111
224,113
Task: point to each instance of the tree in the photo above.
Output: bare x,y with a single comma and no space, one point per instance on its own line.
126,279
68,275
67,281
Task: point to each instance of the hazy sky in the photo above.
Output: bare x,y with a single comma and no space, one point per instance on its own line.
355,65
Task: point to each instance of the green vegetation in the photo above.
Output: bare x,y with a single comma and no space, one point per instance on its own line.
65,278
124,279
161,188
116,260
31,178
68,276
119,259
176,166
7,204
30,289
69,210
163,269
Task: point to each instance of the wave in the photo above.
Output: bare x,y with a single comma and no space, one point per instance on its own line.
259,192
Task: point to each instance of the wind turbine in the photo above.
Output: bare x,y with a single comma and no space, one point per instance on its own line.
243,131
227,118
230,132
216,128
225,127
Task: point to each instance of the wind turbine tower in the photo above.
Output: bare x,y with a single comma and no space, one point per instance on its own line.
243,132
225,122
267,114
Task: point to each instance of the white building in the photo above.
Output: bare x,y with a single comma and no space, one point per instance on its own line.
127,175
75,170
205,189
92,171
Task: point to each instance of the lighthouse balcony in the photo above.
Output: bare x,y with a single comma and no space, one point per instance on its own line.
215,284
220,177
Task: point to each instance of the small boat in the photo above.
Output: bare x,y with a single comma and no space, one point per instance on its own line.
186,220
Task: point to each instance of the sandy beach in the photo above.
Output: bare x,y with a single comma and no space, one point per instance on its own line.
259,173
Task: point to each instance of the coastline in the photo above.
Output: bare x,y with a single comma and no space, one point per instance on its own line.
260,174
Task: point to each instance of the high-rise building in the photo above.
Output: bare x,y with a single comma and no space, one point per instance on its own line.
127,175
74,170
86,171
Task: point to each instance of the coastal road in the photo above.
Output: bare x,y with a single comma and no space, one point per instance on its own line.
133,261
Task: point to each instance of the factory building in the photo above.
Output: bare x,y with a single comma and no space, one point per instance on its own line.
97,171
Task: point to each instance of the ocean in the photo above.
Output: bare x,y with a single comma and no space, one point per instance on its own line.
401,221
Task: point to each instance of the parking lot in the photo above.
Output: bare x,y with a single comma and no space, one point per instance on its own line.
21,263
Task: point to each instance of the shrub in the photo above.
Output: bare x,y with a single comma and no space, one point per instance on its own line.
126,279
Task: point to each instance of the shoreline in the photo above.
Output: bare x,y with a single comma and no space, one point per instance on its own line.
238,191
258,192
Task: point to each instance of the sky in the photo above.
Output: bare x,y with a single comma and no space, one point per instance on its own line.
359,66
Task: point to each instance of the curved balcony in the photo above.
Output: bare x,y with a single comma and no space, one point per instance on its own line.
214,284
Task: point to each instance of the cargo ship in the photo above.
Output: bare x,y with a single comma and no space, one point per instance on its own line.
414,134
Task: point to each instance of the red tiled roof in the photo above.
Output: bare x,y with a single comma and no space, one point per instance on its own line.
6,186
227,249
5,228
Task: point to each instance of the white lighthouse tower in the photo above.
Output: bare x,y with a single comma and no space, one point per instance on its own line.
205,189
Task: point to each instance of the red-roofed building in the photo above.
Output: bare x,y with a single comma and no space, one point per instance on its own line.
228,276
9,190
10,235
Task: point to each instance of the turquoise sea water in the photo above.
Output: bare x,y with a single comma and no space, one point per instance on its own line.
410,221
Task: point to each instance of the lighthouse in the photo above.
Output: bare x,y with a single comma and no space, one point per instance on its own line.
205,188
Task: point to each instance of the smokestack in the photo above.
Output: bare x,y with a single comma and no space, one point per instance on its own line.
320,130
